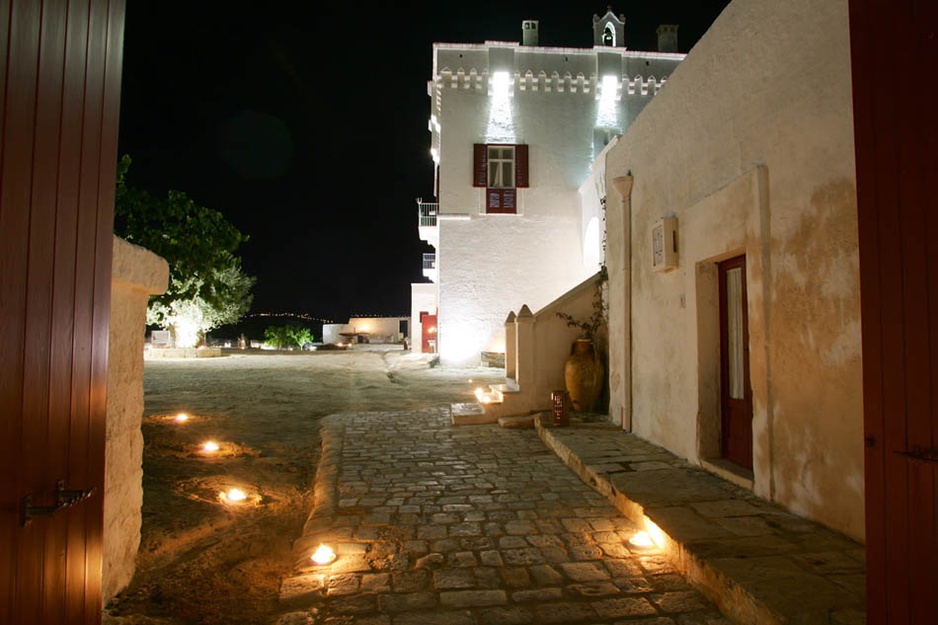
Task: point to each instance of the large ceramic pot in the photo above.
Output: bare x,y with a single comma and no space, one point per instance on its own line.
583,375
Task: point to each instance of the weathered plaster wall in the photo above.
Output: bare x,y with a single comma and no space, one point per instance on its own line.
750,146
135,275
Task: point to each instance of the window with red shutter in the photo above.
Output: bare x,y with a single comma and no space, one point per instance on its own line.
501,169
521,165
480,165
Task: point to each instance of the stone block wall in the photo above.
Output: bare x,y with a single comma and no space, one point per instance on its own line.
136,274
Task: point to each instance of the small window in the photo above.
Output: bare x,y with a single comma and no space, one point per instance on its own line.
501,169
501,160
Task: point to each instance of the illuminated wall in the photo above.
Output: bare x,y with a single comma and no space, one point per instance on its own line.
564,104
761,165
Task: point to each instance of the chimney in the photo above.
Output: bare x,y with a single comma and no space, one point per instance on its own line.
529,33
667,38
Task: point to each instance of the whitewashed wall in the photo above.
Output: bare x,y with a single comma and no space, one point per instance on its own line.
750,146
377,329
491,264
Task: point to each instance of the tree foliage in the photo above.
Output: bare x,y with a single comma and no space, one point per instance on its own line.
287,336
207,287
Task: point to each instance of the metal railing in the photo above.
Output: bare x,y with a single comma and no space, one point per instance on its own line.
427,212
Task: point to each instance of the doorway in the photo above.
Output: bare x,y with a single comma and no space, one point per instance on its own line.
428,338
735,387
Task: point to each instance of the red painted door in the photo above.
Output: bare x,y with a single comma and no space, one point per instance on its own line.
735,389
60,99
428,342
896,144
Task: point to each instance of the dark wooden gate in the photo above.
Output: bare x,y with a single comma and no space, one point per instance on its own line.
897,173
60,99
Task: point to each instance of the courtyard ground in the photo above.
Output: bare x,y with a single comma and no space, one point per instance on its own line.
204,562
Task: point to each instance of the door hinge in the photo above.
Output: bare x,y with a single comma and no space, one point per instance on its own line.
64,499
920,454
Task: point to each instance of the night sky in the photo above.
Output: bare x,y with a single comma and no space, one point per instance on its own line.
305,124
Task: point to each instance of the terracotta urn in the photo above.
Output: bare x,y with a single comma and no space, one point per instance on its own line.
583,375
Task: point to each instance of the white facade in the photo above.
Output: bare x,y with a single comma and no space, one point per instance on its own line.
554,109
366,329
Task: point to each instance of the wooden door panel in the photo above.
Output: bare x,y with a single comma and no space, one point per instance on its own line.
59,150
896,139
21,60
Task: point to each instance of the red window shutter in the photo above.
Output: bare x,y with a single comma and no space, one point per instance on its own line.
480,165
521,166
501,201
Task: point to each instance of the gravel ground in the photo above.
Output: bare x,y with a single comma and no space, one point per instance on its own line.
204,562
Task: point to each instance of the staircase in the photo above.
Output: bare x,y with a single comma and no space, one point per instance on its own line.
536,347
489,406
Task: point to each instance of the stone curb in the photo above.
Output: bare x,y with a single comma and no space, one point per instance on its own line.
303,591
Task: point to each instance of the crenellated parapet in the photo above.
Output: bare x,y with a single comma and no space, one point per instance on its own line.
529,81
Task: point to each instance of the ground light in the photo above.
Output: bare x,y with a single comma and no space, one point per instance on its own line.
210,446
482,396
642,540
181,417
324,555
233,495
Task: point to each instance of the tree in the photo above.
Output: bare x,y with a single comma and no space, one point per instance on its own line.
207,287
287,336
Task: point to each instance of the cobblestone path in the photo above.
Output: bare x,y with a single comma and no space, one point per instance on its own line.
443,525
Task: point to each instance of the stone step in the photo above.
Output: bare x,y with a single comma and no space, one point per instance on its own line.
470,413
517,423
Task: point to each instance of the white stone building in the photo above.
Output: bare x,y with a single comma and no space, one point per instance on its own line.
514,129
367,330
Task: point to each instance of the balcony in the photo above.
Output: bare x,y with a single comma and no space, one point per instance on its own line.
426,220
429,266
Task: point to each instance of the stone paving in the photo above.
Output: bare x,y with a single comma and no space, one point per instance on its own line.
479,525
760,563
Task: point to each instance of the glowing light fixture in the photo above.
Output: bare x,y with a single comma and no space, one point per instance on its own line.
641,540
501,126
500,83
607,116
210,446
234,495
482,396
181,417
323,555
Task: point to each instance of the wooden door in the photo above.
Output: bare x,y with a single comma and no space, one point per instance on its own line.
735,389
59,98
896,142
428,342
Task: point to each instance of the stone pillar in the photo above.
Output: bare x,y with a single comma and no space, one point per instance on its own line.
620,297
511,346
136,274
525,347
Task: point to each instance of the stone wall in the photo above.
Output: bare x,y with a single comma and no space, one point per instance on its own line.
136,274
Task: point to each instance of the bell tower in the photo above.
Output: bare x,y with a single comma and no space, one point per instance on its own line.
609,30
